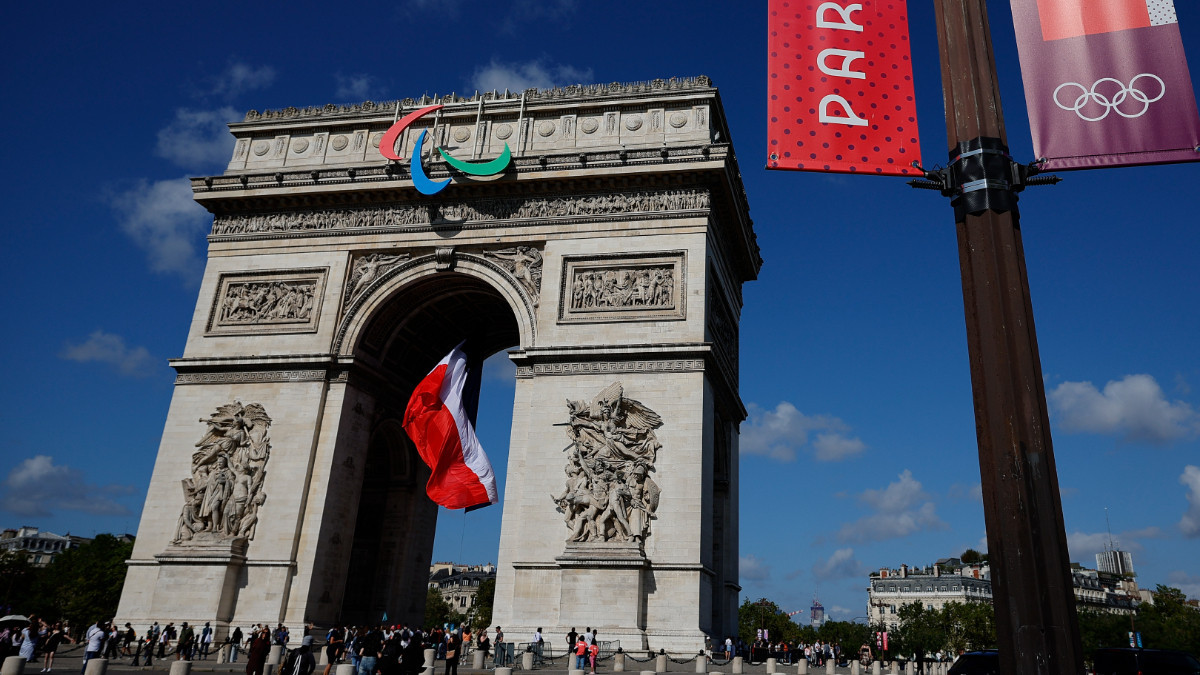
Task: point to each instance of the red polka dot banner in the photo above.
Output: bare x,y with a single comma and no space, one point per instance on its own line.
841,87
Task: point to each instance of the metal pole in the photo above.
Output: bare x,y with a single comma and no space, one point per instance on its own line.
1036,625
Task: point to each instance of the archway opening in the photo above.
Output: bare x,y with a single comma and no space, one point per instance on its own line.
395,527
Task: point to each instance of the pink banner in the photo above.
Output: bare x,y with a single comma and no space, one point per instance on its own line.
1106,83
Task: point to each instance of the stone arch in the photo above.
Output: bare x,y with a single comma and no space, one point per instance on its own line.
365,307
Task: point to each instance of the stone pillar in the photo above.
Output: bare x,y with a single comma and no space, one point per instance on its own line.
619,662
527,660
738,665
855,667
95,667
574,671
875,667
275,655
702,663
13,665
829,666
476,660
894,668
181,668
802,666
644,672
771,665
223,653
431,656
344,669
660,663
504,671
270,668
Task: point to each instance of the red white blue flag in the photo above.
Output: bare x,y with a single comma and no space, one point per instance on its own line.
439,425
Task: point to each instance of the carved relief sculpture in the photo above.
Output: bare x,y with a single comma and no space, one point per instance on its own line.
610,496
624,287
367,269
524,263
281,301
223,495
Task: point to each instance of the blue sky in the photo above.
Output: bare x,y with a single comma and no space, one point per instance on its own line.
860,449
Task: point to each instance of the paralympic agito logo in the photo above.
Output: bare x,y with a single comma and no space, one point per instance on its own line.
421,181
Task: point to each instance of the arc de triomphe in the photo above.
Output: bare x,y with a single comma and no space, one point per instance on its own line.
608,257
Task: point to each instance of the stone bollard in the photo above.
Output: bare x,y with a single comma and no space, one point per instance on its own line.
431,656
644,672
830,666
875,667
181,668
527,661
702,663
802,667
476,660
738,665
270,668
275,655
13,665
771,664
323,658
95,667
660,663
894,670
855,668
619,662
501,671
575,672
344,669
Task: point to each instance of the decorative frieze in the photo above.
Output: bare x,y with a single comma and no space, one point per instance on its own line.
612,367
485,209
267,302
368,268
253,377
623,287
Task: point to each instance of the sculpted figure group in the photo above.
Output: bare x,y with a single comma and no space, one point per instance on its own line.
639,287
610,496
224,492
267,302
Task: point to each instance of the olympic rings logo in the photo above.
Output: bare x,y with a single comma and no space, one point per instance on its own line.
1111,100
421,181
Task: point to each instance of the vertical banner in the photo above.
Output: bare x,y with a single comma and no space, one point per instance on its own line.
841,87
1106,82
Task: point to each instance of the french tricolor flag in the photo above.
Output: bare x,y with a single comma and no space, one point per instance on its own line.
438,423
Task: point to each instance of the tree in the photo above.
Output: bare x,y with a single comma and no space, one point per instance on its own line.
83,585
763,613
971,556
485,597
1102,629
1170,623
438,611
17,582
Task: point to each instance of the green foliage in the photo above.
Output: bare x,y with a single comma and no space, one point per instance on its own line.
438,611
83,585
765,614
1170,623
484,599
971,556
17,580
1102,629
965,626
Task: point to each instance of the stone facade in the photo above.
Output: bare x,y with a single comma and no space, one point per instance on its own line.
608,258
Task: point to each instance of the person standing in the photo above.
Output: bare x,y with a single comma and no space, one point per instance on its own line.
94,636
206,638
453,653
571,640
29,639
593,652
501,648
537,645
55,637
256,656
581,649
369,650
183,648
235,641
334,643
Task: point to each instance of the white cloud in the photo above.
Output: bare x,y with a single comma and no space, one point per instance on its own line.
1134,408
108,348
840,565
239,78
781,432
750,568
198,139
37,483
899,510
357,87
1084,546
162,219
517,77
1188,583
1190,523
